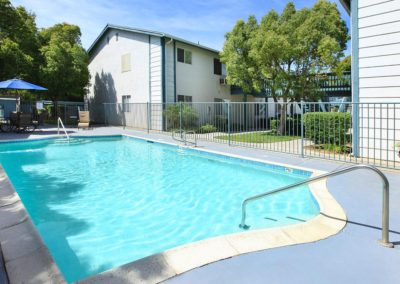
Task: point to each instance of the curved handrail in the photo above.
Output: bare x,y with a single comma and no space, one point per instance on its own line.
190,132
183,136
385,202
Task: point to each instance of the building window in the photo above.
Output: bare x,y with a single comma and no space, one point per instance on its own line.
108,40
126,62
126,100
184,99
217,67
184,56
116,36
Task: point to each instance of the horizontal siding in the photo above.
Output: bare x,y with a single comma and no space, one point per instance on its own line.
381,93
155,70
380,61
376,72
382,50
379,19
169,65
380,30
383,82
385,39
362,4
379,50
378,9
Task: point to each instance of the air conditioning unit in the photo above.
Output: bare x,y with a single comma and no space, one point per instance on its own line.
223,81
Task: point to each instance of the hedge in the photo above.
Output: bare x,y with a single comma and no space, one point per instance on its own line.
327,127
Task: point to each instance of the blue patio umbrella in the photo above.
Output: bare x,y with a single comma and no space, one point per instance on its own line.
17,84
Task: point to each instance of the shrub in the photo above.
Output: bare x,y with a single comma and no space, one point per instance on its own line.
327,127
293,126
207,128
189,116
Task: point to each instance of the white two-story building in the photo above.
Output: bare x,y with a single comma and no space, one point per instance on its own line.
129,65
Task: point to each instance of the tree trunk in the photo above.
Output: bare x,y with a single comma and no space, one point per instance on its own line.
282,122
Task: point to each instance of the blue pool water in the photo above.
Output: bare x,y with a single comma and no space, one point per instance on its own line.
110,201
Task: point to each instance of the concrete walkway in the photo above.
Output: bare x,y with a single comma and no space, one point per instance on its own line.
352,256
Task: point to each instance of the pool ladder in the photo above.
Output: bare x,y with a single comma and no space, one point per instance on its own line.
385,203
59,122
183,137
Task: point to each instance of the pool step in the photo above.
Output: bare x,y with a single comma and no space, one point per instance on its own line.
71,141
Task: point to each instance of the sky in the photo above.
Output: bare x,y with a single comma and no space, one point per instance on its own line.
203,21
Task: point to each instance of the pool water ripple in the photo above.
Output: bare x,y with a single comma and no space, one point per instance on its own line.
101,204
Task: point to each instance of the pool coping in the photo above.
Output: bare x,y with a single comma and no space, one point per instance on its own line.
27,259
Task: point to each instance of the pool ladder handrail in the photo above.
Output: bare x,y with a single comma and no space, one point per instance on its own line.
59,121
385,203
183,137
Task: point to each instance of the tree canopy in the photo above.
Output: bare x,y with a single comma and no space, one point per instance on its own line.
52,57
285,51
64,70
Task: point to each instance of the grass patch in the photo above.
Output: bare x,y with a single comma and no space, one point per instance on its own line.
330,148
258,137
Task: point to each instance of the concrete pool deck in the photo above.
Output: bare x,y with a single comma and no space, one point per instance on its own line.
350,256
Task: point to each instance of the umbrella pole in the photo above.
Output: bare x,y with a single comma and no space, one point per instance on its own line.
18,102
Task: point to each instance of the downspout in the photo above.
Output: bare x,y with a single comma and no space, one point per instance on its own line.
355,78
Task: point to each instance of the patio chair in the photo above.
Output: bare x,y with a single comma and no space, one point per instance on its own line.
84,120
22,122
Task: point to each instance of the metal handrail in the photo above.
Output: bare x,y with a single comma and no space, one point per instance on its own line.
59,121
183,134
385,202
195,137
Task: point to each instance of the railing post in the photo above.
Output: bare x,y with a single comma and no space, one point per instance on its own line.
385,215
105,116
65,113
302,128
148,117
180,119
229,123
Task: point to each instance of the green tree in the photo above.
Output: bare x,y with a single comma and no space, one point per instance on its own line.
19,45
344,65
288,50
241,67
64,70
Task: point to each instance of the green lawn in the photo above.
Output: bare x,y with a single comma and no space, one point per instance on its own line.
257,137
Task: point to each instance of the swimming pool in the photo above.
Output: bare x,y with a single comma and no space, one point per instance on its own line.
110,201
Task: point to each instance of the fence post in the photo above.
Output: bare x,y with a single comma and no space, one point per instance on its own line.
148,117
65,113
302,128
229,123
105,116
180,119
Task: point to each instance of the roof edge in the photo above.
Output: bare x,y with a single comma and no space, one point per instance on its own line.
147,32
346,5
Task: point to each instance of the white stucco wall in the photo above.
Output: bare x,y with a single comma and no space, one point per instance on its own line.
105,66
198,79
379,77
